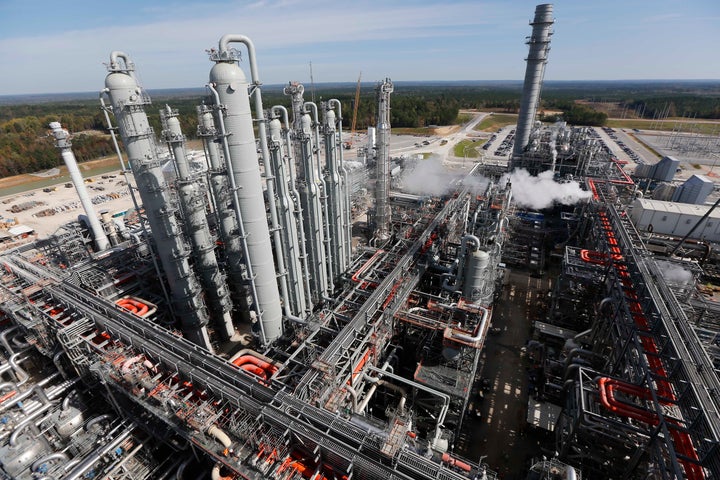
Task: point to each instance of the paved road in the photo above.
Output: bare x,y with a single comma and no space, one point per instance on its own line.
501,434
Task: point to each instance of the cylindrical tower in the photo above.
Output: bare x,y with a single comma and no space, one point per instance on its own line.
128,105
336,181
539,43
192,201
225,212
476,277
382,158
232,87
309,185
286,211
62,141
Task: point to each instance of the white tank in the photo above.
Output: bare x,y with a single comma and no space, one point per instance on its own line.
476,275
232,87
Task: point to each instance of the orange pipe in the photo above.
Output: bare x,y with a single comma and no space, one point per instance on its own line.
250,359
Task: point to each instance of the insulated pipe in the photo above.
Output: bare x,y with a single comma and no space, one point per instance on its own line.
238,214
59,456
345,185
27,393
128,102
198,230
481,329
21,374
231,85
382,209
298,213
4,338
225,209
335,197
294,245
93,421
330,260
98,453
445,398
220,436
539,43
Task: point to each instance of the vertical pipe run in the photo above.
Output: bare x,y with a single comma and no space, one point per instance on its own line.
286,208
225,211
310,193
193,205
128,104
330,264
382,210
539,43
336,201
232,88
297,212
62,142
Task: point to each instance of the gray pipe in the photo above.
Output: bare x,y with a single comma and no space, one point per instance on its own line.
226,208
98,453
345,185
330,263
4,338
286,218
298,211
49,458
98,419
445,398
382,210
238,213
27,393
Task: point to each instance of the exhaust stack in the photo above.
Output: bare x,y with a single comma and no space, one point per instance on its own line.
62,141
539,43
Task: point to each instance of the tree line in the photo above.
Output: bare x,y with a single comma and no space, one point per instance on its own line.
26,146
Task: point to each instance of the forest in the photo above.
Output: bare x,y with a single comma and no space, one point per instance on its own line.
26,146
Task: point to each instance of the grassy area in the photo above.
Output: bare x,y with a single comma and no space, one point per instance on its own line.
463,118
493,122
467,148
705,127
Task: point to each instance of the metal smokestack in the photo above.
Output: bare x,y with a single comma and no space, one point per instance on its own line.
62,141
539,43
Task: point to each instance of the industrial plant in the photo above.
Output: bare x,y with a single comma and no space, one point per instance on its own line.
242,326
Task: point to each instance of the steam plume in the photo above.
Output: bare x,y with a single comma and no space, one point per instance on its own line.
543,191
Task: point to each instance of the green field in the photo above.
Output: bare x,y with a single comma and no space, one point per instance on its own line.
493,122
468,148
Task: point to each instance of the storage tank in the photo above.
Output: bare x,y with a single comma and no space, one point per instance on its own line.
476,276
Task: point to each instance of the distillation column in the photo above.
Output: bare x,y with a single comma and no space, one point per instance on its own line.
336,181
128,105
225,214
287,206
192,201
539,43
62,141
382,158
310,193
233,103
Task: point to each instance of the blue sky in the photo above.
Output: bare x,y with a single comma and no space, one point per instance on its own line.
60,46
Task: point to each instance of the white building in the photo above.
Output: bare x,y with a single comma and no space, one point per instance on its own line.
677,219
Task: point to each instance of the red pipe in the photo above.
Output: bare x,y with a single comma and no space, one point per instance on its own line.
365,266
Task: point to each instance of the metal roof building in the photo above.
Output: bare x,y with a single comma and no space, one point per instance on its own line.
674,218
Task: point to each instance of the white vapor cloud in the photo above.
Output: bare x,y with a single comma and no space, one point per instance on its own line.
543,191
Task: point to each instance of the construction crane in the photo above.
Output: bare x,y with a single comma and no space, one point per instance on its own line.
348,145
